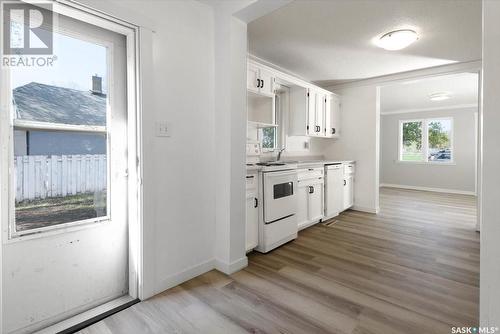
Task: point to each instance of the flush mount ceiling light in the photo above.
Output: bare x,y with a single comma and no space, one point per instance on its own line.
440,96
397,39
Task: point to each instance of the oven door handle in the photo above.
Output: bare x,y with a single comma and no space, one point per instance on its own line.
274,221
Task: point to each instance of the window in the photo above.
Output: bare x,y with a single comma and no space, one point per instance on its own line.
269,138
426,140
60,138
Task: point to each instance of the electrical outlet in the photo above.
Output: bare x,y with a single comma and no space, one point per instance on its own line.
163,129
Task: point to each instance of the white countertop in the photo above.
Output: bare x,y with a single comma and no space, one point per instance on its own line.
296,164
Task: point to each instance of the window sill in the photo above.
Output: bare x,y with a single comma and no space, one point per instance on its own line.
57,229
432,163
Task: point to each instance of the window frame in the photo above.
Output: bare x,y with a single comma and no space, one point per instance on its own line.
278,126
15,124
425,141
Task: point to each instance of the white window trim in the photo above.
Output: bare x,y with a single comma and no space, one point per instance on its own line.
425,142
277,119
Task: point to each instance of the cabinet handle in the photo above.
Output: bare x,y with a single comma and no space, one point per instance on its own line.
333,131
250,176
261,83
258,83
311,189
256,204
345,183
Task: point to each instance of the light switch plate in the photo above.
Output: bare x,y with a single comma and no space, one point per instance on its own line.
163,129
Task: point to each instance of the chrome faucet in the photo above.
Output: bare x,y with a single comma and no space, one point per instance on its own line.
279,154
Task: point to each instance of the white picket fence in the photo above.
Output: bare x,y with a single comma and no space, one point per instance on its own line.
38,176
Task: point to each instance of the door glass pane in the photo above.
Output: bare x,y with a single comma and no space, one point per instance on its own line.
411,142
71,91
61,176
440,140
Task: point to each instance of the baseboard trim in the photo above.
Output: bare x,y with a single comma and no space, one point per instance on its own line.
184,275
230,268
365,209
437,190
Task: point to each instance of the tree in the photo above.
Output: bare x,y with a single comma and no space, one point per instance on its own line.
438,138
412,134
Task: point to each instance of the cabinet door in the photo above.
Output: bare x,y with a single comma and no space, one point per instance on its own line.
302,204
332,112
315,207
334,125
267,82
320,114
253,79
252,226
348,192
312,127
328,115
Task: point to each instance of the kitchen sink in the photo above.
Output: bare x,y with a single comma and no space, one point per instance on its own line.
270,163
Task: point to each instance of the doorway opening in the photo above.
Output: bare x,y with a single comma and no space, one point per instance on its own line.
429,138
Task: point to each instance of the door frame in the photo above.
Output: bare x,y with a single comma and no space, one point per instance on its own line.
132,34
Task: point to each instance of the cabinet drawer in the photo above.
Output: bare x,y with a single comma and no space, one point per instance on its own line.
251,181
310,173
349,168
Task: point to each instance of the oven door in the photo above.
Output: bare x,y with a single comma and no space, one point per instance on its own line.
280,199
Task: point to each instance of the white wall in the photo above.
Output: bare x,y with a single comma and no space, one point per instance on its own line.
230,127
178,87
460,176
490,190
359,140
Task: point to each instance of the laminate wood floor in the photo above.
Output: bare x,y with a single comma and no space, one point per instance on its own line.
413,268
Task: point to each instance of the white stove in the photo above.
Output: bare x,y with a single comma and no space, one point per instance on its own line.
277,216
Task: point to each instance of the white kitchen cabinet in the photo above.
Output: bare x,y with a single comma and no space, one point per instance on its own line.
252,76
348,195
332,116
315,205
313,113
260,81
267,82
310,197
252,212
316,113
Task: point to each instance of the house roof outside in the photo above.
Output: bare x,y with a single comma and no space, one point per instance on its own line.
45,103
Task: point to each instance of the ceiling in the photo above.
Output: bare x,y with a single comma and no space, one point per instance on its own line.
414,95
331,41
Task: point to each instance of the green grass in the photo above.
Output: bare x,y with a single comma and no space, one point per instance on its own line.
59,210
412,156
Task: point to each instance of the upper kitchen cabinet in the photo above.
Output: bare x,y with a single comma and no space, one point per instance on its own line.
314,113
332,116
260,80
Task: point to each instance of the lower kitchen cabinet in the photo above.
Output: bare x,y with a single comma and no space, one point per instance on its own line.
252,223
348,195
315,205
339,188
252,213
310,197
